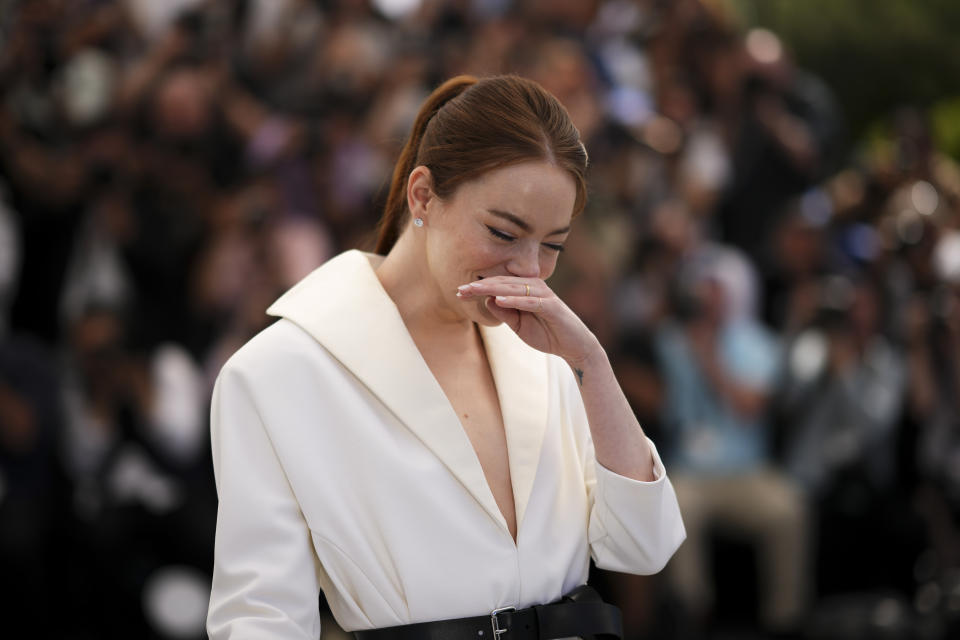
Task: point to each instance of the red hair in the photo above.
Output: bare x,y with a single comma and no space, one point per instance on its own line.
468,127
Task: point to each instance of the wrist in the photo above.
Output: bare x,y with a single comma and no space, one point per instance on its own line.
589,358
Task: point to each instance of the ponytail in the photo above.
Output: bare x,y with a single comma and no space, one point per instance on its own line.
396,205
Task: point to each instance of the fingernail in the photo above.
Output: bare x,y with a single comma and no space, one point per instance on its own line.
475,284
463,287
501,298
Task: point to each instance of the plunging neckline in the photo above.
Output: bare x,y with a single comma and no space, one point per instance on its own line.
488,435
345,308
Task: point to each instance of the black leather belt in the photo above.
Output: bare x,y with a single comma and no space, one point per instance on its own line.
581,613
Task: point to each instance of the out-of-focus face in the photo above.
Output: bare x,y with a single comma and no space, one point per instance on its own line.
712,301
510,221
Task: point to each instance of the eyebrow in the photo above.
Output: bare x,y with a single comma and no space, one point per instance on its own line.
523,224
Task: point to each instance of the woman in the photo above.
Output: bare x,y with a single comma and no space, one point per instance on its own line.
433,434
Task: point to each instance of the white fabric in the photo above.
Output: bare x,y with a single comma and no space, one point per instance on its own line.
341,466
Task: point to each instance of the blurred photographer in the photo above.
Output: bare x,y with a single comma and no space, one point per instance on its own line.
838,407
842,390
132,452
719,365
933,400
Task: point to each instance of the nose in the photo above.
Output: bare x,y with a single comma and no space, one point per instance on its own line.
525,262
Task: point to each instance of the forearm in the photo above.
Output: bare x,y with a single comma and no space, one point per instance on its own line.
619,442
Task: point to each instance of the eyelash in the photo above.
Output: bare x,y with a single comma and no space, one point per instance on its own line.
496,233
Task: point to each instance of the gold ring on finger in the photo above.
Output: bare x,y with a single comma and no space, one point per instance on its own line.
528,290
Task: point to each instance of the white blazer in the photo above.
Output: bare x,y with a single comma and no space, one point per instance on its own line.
341,466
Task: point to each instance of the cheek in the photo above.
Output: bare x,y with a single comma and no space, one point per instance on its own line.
478,255
548,262
463,259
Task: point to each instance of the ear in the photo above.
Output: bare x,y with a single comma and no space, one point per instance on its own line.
419,191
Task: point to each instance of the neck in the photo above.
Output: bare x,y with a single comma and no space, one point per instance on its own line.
406,277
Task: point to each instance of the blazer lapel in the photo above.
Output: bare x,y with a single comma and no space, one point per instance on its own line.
520,374
345,308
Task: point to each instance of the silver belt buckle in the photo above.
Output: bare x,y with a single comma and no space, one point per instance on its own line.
495,623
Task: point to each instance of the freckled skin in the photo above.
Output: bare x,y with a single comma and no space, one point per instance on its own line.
461,247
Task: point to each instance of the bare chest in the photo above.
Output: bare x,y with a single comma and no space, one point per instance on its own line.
471,391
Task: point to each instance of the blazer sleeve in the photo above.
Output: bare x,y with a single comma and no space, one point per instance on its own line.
265,575
634,526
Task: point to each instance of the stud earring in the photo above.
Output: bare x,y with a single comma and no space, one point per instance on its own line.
418,222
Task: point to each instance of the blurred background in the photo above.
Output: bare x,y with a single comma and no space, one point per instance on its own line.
770,254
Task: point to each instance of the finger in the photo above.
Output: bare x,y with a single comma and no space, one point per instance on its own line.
530,304
498,287
505,280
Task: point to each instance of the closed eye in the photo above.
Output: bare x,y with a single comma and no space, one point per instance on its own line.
496,233
502,235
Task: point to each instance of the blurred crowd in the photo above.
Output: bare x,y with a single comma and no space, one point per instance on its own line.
781,305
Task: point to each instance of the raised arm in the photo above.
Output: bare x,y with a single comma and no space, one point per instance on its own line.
545,322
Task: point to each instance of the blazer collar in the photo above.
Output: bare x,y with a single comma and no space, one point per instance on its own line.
345,308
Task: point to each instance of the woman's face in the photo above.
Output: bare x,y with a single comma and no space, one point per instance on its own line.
510,221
